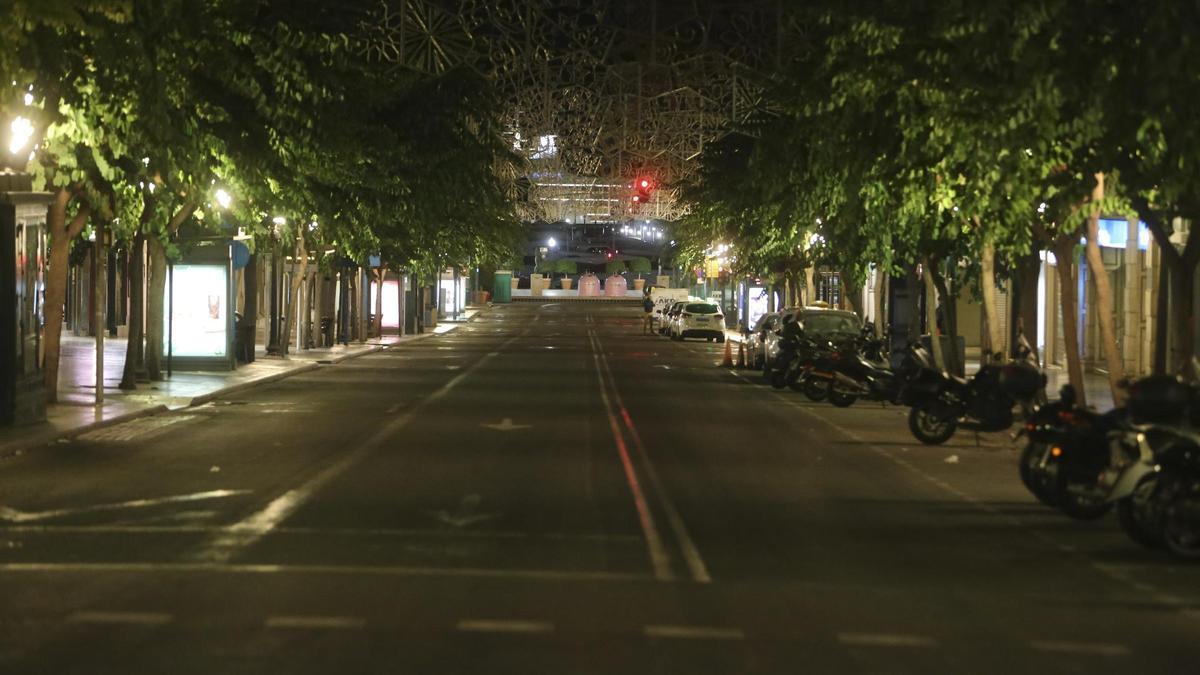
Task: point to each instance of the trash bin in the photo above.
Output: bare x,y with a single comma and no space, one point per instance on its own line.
615,286
502,286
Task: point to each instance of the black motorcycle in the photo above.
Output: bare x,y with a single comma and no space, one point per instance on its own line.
939,401
1158,496
1068,449
862,373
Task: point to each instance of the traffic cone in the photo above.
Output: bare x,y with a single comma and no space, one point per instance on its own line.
741,362
727,362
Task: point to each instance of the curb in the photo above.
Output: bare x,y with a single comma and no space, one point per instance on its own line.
275,377
17,447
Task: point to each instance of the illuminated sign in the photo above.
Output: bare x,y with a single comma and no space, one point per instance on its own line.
199,310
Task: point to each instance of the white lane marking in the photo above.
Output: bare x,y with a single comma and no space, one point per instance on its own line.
885,640
15,516
693,632
1068,647
242,534
658,552
364,570
691,554
505,424
504,626
125,618
323,622
322,532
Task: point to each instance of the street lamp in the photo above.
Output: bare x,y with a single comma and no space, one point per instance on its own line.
223,199
552,243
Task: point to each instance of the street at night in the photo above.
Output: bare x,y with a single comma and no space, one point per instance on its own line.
599,337
543,489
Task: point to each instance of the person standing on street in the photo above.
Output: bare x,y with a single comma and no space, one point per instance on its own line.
647,311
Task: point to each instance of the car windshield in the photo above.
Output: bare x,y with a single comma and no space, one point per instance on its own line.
824,323
701,308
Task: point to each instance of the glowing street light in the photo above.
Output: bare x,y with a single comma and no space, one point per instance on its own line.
223,199
552,243
22,131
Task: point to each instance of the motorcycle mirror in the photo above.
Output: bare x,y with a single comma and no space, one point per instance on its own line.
1067,395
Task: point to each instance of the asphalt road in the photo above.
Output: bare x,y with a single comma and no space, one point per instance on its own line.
545,490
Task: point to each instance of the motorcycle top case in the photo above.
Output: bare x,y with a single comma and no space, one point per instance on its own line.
1160,399
1021,380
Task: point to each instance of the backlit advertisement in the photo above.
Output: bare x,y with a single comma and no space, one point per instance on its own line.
199,309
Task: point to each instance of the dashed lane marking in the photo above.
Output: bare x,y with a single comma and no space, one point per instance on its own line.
318,622
351,570
257,525
123,618
1093,648
504,626
885,640
669,631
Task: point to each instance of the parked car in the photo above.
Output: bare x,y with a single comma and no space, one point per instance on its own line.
658,314
669,316
819,322
756,338
699,319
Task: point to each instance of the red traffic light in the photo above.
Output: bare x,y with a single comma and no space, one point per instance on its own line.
609,254
644,183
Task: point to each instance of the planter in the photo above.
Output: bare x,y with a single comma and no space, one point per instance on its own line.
546,281
639,284
566,284
515,283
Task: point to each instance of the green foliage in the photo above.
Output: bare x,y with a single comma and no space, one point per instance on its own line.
565,266
545,266
639,265
614,266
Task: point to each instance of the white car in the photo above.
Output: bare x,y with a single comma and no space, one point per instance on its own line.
699,319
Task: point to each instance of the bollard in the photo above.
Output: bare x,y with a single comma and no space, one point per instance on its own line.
727,362
741,362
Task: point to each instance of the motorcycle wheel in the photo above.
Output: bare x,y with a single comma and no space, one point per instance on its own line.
928,427
778,379
1083,507
1181,527
1033,477
840,398
1137,514
814,389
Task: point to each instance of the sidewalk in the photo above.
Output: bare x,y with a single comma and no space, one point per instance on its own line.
76,412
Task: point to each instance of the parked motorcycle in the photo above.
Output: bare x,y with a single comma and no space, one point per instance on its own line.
939,401
1068,449
1158,493
855,374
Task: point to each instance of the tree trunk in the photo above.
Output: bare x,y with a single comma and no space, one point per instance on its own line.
1104,298
60,232
133,348
382,277
853,296
156,289
987,286
299,274
1183,275
931,302
1064,252
949,294
1025,294
881,291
